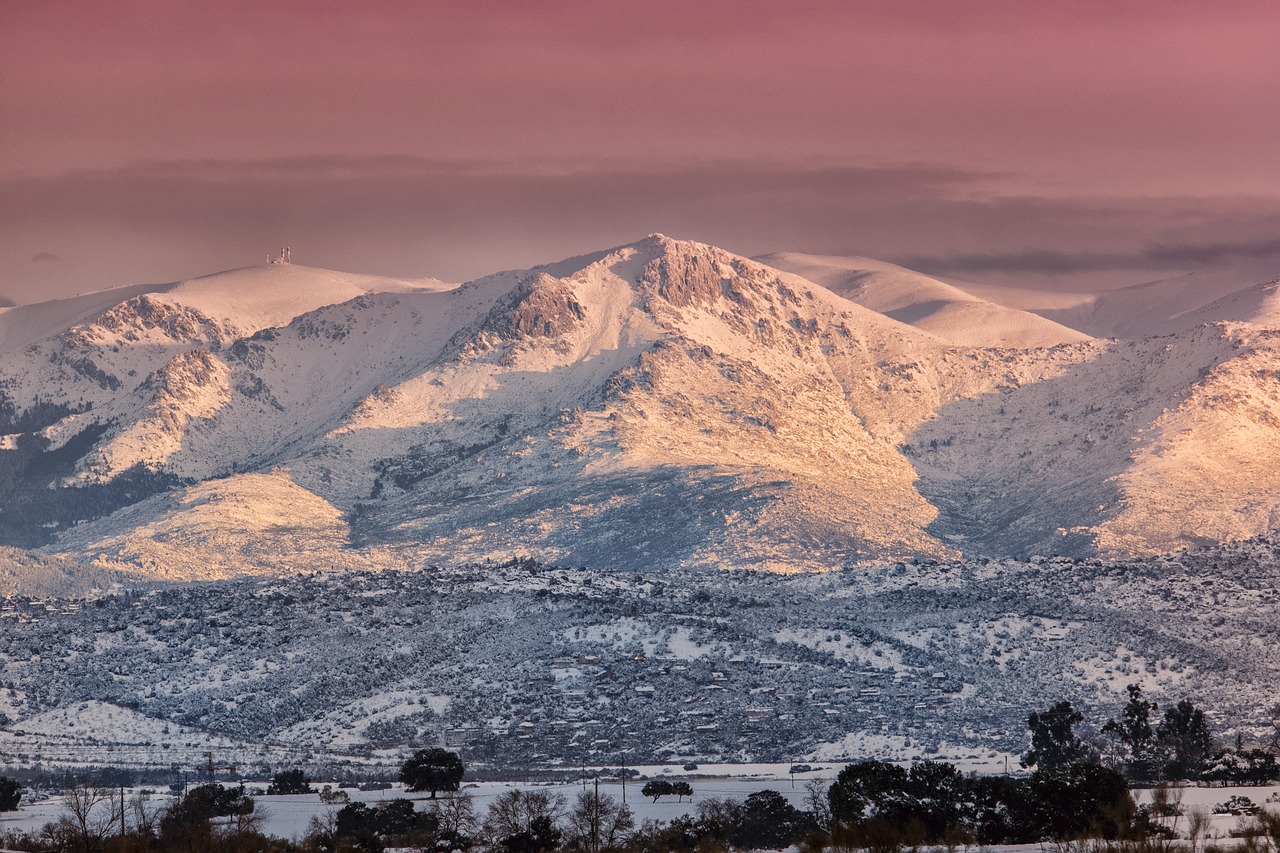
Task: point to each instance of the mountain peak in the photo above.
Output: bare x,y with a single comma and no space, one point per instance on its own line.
659,403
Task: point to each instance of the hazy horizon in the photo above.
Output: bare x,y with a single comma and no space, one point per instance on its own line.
1076,145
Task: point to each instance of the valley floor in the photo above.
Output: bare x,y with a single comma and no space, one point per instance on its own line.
288,816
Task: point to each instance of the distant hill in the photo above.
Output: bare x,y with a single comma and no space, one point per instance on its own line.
1162,307
522,665
929,304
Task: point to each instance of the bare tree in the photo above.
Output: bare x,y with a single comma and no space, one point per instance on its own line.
1197,826
1273,717
1166,805
146,819
518,812
93,814
244,823
598,822
322,828
815,799
456,812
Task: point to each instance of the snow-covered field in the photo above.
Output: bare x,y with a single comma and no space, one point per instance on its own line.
288,816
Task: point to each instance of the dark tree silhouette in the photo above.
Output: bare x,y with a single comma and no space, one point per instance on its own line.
290,782
657,788
1054,743
1133,729
1185,740
10,794
432,770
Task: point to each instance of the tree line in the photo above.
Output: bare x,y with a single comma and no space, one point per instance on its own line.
1077,787
1147,747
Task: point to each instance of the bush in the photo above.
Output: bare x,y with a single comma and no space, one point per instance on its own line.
290,782
1237,805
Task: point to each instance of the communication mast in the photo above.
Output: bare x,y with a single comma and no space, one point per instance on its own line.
212,768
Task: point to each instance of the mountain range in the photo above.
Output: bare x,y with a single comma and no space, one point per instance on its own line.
661,405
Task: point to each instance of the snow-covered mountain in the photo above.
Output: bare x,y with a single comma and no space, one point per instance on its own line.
662,404
927,303
1162,307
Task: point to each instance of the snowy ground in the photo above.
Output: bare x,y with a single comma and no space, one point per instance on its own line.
288,816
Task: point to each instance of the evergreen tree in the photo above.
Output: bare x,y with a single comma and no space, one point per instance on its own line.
657,788
290,782
1054,743
1185,740
432,770
1133,730
768,822
1080,799
10,794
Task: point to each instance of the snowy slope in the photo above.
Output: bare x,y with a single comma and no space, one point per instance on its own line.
691,385
82,351
926,303
525,665
1258,305
28,573
209,412
1213,462
581,410
246,524
662,403
1163,307
254,298
1130,447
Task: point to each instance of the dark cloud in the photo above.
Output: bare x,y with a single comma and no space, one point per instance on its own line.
456,220
1214,253
410,216
44,257
1154,257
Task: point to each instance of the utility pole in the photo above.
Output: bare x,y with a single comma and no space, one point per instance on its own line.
595,821
121,810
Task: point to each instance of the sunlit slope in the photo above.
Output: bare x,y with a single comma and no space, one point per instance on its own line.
658,404
926,303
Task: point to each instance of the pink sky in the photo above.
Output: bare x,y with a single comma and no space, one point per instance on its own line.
155,139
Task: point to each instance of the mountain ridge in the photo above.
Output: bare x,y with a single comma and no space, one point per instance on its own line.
662,403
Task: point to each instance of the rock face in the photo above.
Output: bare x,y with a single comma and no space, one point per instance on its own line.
663,404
